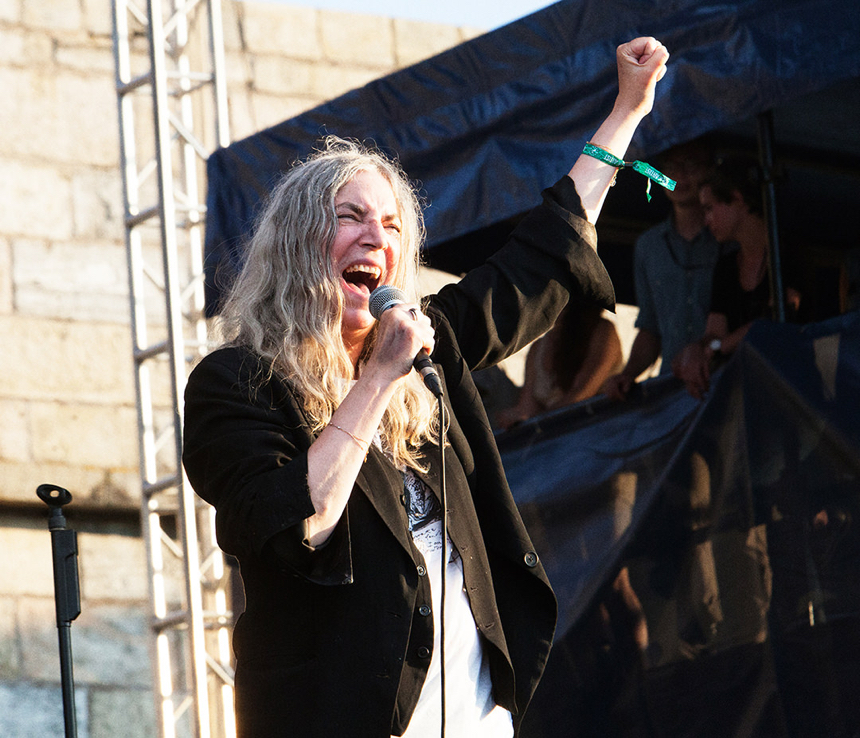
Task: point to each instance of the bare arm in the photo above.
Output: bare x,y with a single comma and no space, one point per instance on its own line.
643,353
641,64
604,353
336,456
693,362
717,327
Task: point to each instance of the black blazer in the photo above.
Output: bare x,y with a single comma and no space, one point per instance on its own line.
334,640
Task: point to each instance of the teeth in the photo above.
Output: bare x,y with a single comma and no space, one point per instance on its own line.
372,270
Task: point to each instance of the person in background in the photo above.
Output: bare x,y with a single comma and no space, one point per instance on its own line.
568,364
317,444
673,269
734,211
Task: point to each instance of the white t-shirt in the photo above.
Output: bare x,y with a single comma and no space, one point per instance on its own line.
470,711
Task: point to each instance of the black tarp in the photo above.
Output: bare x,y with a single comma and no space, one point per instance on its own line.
725,533
486,125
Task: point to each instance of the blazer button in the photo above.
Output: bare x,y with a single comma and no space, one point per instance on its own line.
423,652
421,570
424,610
531,559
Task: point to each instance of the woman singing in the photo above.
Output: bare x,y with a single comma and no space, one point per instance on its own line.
317,444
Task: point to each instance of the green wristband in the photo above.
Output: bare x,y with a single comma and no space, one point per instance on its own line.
596,152
646,170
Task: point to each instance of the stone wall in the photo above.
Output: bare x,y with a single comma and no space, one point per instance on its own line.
67,407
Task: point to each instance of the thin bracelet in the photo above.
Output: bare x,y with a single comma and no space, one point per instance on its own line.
363,445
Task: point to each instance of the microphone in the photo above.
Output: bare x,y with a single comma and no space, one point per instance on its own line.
386,296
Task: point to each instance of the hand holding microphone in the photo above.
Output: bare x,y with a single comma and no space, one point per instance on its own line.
381,299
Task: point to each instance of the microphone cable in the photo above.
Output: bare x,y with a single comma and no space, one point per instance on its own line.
442,590
382,298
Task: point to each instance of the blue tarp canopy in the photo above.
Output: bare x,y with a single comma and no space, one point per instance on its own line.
705,554
486,125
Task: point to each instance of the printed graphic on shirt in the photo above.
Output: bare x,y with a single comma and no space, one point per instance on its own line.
425,516
422,507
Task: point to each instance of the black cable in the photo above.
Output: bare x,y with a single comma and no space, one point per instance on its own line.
444,496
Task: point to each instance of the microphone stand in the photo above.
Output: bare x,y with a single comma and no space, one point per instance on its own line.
67,593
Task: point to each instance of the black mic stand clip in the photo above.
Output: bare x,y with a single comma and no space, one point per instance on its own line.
67,592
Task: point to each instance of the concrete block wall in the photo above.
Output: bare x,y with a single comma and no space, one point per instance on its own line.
284,60
67,406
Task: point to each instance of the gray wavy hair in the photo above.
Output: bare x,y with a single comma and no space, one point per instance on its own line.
286,304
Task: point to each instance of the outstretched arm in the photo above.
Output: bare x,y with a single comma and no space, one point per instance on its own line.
641,64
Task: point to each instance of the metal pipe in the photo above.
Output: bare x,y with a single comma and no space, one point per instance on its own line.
766,160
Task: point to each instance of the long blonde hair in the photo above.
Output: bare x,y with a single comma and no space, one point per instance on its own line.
286,304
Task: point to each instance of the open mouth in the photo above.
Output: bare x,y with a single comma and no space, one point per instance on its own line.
363,277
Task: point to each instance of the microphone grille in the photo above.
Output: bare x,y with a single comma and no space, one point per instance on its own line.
382,298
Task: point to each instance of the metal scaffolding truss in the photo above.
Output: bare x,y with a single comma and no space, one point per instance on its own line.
171,95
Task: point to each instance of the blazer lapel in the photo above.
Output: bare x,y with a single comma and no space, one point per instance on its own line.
376,479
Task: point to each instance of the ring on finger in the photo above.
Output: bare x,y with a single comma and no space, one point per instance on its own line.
414,313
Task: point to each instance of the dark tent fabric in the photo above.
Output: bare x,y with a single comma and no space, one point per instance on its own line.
706,555
486,125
